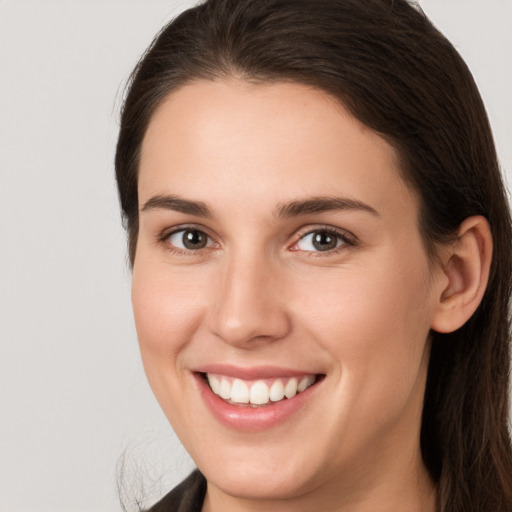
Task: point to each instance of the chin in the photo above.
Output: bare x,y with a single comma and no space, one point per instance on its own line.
260,476
254,483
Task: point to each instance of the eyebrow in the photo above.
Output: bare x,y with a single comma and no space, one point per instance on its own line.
177,204
310,206
316,205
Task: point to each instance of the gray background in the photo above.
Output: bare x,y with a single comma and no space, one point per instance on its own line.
73,397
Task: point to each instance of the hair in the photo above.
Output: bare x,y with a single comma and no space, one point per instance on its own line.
397,74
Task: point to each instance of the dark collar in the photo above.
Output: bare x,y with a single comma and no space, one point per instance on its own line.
186,497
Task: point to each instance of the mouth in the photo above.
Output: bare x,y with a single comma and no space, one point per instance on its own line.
258,398
259,392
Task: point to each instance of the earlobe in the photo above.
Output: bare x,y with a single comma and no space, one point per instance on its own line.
466,268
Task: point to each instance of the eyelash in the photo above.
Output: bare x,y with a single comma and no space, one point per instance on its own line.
164,239
346,238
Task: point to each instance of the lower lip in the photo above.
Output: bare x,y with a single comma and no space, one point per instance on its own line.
253,418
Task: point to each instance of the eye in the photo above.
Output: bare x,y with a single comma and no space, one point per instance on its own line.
189,239
321,240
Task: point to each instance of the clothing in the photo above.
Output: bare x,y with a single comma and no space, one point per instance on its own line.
186,497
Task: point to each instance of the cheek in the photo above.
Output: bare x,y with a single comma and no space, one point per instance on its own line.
374,322
167,310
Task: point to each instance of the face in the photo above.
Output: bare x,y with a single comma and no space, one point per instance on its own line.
282,294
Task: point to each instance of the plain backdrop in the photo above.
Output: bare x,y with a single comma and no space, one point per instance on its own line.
74,403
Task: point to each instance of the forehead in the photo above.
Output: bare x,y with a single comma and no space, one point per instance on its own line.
266,140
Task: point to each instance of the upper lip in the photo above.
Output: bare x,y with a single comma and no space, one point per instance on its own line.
252,372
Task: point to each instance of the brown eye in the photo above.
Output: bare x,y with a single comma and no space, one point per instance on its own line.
323,241
320,240
189,239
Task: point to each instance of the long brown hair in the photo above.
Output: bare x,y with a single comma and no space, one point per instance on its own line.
397,74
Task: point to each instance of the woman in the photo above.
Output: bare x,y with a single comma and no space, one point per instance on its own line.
321,257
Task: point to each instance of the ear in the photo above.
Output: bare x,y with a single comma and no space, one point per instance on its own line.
465,264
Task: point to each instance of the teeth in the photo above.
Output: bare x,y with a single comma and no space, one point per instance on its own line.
258,392
290,390
224,389
276,391
214,384
305,383
240,392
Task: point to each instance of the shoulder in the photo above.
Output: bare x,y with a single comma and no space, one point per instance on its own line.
186,497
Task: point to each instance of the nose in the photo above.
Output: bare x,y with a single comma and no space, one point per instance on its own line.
249,308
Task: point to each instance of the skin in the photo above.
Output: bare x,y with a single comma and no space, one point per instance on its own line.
259,294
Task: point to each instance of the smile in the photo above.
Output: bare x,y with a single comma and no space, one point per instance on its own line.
260,392
255,399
